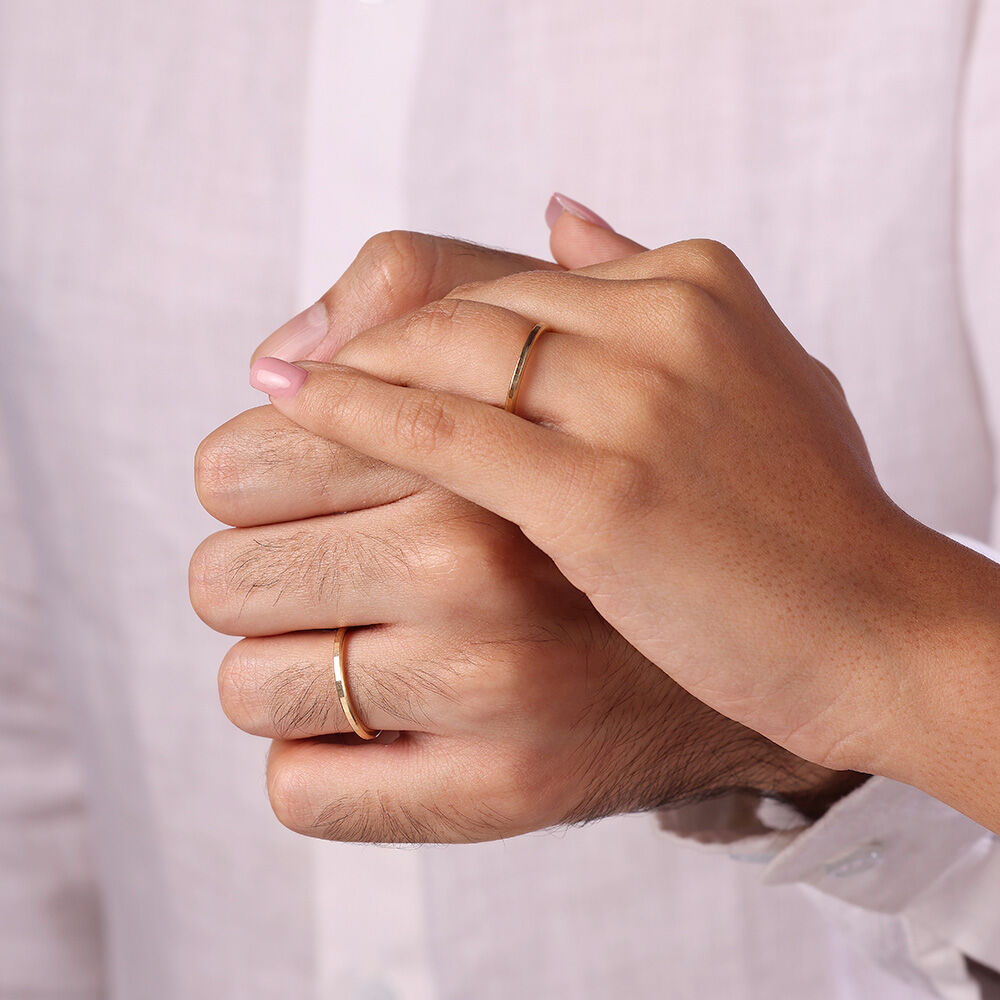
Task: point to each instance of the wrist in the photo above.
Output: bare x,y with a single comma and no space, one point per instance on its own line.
744,761
810,788
945,737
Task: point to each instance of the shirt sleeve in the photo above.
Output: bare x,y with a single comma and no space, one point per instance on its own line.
888,849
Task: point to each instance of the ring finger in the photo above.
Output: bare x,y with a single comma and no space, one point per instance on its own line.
470,349
283,686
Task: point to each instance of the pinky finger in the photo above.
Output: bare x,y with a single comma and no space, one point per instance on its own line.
415,791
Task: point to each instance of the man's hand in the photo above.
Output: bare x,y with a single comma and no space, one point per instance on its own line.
518,706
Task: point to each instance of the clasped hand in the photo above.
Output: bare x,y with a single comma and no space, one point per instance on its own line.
593,605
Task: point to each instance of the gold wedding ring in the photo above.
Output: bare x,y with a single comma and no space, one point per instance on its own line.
522,361
340,679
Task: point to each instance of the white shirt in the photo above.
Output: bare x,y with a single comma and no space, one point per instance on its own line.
175,180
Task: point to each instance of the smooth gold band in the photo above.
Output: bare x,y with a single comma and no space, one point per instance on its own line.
522,361
340,679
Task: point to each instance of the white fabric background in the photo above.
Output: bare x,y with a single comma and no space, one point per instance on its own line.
175,180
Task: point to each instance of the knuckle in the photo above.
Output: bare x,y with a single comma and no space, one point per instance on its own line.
232,570
491,568
289,794
239,687
687,324
369,351
432,324
243,468
687,299
500,683
611,487
672,297
710,257
218,470
632,485
520,793
423,424
206,574
390,260
577,491
831,376
467,290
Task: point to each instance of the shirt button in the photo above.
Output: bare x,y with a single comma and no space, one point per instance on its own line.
755,858
859,860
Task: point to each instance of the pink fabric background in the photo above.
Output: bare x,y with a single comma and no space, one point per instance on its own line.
177,179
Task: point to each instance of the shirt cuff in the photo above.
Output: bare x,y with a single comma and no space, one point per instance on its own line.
881,847
745,825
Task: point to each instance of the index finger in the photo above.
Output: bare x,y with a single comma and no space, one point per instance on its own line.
261,468
493,458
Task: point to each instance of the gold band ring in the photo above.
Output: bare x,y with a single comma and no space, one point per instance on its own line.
340,679
522,361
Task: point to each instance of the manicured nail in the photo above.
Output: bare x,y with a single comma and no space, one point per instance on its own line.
560,203
277,377
300,336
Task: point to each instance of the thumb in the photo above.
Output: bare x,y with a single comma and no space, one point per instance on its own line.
580,237
394,273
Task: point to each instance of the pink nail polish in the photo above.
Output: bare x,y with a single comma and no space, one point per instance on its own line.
277,377
560,203
300,336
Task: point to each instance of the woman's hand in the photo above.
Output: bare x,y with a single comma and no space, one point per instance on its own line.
695,472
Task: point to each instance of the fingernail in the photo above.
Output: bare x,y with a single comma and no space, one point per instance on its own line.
300,336
560,203
277,377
